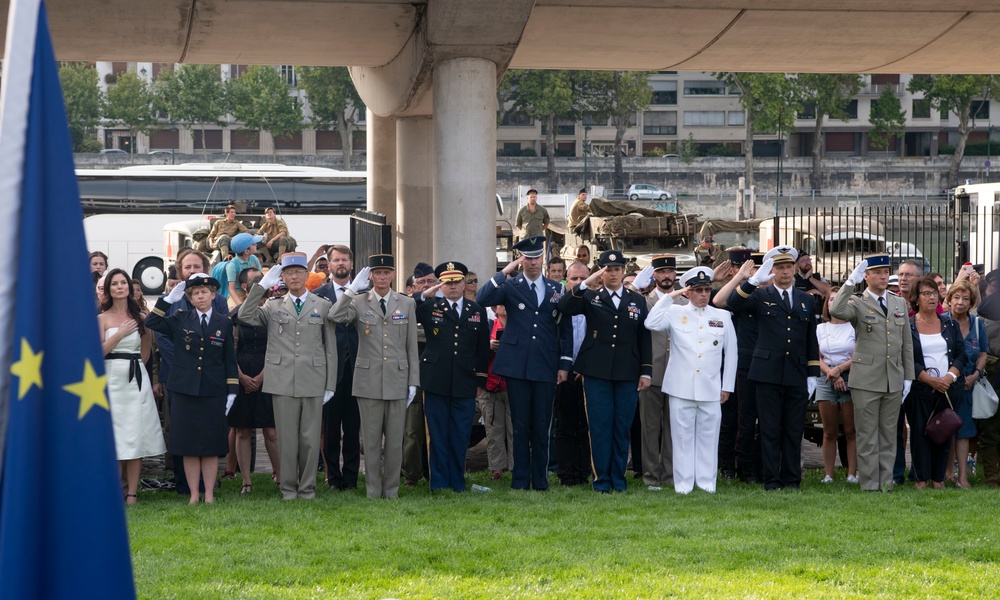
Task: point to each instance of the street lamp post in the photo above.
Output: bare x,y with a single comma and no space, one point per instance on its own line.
173,151
586,151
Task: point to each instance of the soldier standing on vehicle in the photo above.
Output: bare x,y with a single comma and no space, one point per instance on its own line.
277,241
223,231
532,219
580,209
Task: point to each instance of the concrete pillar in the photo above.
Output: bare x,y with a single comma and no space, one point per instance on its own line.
465,141
414,195
309,141
227,140
185,141
266,143
381,142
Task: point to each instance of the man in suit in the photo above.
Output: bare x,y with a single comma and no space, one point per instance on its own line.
300,368
700,376
341,419
452,372
878,385
616,361
387,370
572,435
785,361
536,352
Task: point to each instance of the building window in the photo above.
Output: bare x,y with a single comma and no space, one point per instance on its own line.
659,123
563,128
664,97
516,119
808,111
980,109
704,118
595,119
921,108
288,74
704,88
736,118
852,109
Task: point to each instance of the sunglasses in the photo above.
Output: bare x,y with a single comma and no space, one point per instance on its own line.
471,281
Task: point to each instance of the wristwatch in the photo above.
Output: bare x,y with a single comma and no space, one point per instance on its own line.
954,377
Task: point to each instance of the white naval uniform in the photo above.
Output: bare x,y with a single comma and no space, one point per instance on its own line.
702,364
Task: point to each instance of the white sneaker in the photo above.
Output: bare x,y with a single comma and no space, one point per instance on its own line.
827,479
852,479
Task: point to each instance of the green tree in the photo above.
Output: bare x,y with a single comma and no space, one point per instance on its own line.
193,95
259,100
618,95
770,101
83,104
130,103
830,94
548,96
334,102
955,93
888,120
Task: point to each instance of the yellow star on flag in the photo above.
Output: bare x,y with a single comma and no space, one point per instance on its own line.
28,369
91,390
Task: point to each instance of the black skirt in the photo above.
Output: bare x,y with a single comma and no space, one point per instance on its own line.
198,425
253,409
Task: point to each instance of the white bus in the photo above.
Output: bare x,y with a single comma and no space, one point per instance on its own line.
136,215
977,208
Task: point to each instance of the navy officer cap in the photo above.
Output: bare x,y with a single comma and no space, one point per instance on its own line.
611,258
531,247
422,270
664,261
876,261
738,255
697,277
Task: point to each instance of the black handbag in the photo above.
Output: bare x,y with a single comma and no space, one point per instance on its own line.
943,425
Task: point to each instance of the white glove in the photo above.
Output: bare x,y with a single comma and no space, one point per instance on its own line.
410,395
271,278
859,273
906,389
229,402
643,278
360,282
764,274
175,294
811,386
327,395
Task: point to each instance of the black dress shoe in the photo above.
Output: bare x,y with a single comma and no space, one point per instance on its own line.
728,474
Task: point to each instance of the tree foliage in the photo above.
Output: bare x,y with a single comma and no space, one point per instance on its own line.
955,94
334,102
192,95
548,96
83,100
259,99
130,103
888,120
830,94
617,95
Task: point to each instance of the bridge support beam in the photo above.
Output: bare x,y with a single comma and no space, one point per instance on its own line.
465,150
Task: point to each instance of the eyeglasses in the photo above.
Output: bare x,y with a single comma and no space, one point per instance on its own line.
928,293
471,281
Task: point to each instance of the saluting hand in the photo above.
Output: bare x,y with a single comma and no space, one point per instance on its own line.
431,291
719,272
360,283
764,274
746,269
512,266
591,281
643,279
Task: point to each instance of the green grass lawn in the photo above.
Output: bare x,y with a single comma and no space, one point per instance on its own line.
823,542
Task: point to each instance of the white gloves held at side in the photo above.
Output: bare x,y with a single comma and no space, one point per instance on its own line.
230,398
811,385
906,389
412,392
327,396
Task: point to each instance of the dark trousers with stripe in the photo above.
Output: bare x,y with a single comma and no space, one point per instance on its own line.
449,427
610,411
531,418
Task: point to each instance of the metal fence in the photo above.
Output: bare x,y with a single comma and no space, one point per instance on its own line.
370,234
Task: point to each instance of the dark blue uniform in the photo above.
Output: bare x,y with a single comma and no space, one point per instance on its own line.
341,412
617,350
785,355
535,345
452,365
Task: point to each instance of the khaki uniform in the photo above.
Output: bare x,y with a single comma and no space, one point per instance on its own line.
387,364
654,412
284,244
577,213
876,383
299,366
222,232
533,222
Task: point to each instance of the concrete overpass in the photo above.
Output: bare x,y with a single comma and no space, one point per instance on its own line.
427,69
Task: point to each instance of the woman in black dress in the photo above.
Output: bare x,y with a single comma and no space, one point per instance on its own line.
203,380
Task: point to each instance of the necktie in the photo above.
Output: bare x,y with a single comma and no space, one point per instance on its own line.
204,324
534,290
381,302
881,304
454,307
784,298
298,305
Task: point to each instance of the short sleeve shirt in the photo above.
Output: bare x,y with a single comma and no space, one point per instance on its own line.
223,227
273,229
533,222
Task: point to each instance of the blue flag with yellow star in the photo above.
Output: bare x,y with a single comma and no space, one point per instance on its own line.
62,519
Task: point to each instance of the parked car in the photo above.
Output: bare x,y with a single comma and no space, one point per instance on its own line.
113,151
647,192
161,152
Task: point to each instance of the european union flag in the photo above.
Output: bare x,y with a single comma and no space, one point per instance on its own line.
62,520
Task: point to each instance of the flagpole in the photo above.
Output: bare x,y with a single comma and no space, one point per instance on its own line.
15,87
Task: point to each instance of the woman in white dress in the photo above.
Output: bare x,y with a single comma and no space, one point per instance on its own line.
126,343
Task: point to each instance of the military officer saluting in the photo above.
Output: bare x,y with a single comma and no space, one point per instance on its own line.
785,361
700,376
535,352
616,361
452,371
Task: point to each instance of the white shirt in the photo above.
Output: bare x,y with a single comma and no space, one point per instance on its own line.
337,291
616,295
459,302
579,332
301,298
935,349
836,342
884,297
208,315
789,290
